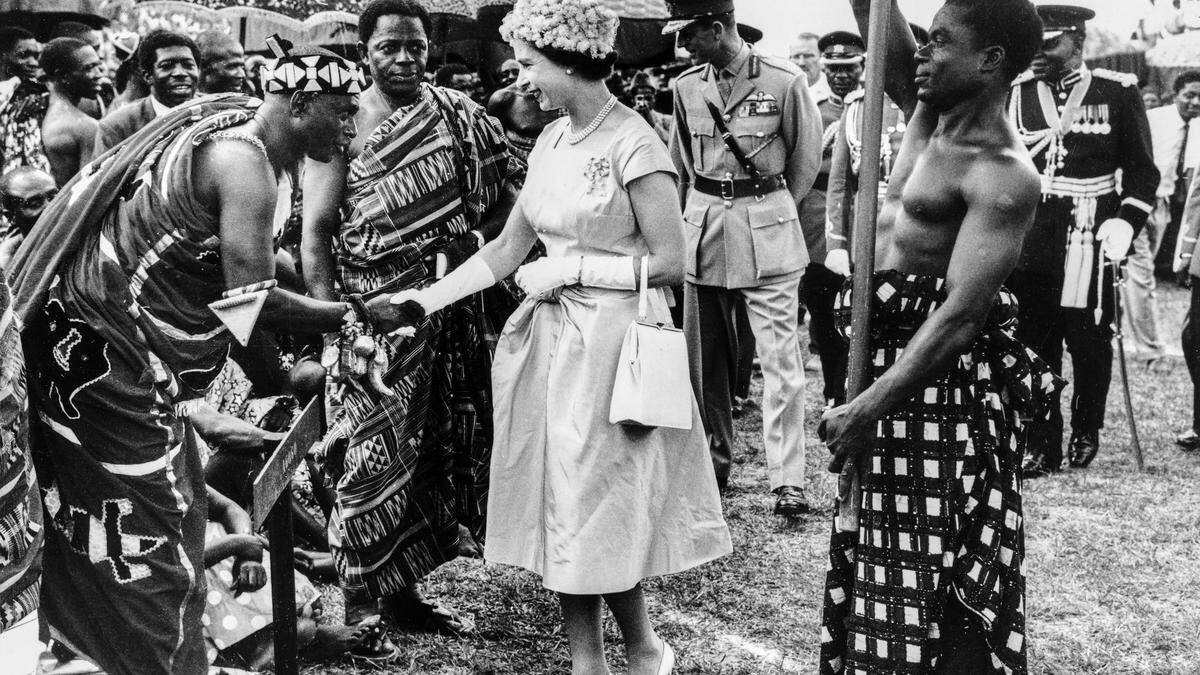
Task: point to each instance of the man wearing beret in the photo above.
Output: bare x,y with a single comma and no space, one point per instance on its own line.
747,143
1082,127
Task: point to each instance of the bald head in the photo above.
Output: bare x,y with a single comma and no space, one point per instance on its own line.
25,180
222,63
24,194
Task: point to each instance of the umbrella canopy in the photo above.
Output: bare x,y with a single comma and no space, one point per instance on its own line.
250,25
40,16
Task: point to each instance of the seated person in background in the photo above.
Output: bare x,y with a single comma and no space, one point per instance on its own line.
238,612
24,193
73,73
168,62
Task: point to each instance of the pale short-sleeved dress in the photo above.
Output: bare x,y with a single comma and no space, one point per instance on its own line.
592,507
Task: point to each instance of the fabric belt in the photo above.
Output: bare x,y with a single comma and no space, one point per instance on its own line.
1061,186
732,188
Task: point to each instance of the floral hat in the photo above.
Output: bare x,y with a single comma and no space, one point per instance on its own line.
584,26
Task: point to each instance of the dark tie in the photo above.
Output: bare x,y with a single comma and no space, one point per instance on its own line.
1181,178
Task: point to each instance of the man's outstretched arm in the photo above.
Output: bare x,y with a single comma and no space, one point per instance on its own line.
899,55
1001,198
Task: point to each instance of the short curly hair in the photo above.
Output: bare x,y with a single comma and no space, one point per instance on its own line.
1013,25
162,39
58,57
380,8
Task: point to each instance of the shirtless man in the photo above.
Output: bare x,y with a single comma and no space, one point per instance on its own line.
938,585
73,73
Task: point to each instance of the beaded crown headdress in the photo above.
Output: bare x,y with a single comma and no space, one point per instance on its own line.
319,73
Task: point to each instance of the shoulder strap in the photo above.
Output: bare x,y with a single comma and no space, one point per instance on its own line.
726,136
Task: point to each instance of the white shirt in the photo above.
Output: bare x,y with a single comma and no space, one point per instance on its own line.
160,108
1166,136
820,90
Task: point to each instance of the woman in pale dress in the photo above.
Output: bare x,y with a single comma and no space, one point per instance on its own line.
591,506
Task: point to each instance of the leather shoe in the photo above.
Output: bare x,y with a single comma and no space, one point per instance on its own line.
1188,441
1036,466
790,502
1083,448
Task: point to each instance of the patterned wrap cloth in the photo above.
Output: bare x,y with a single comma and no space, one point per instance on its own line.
409,468
20,503
112,291
21,129
941,499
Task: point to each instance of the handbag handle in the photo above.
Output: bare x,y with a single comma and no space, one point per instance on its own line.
644,290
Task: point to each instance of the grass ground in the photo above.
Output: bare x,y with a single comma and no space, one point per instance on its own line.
1113,567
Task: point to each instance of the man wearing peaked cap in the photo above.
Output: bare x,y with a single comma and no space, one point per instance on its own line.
747,144
1081,126
842,58
147,267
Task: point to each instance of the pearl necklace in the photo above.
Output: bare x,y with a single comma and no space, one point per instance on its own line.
577,136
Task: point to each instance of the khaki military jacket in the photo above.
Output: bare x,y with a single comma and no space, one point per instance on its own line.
748,241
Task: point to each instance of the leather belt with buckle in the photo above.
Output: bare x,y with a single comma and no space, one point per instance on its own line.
731,188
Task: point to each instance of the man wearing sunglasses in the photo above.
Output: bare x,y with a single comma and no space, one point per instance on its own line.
1081,126
24,193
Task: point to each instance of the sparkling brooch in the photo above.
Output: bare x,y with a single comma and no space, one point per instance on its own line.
596,171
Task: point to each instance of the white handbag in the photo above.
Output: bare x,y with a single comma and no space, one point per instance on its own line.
652,387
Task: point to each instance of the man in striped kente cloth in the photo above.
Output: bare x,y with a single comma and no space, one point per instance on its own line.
430,177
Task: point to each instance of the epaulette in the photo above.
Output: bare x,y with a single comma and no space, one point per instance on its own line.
780,64
1023,78
853,96
692,71
1126,79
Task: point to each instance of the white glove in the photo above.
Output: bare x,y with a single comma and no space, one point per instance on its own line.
838,261
608,272
1181,263
1117,235
467,279
546,274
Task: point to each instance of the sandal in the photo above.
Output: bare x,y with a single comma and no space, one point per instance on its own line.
410,609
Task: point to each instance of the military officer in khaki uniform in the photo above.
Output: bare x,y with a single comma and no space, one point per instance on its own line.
747,143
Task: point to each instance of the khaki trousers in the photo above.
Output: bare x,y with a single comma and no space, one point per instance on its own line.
710,324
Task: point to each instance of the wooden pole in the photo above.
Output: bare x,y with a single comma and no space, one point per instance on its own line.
866,212
283,585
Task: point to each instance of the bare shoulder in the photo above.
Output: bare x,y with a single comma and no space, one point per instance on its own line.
1003,179
224,167
68,129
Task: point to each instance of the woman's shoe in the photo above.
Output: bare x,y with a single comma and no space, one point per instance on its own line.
667,664
1188,441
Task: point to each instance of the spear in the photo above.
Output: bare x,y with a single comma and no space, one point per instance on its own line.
866,212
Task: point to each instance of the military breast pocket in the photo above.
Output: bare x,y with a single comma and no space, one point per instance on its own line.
606,232
759,138
777,239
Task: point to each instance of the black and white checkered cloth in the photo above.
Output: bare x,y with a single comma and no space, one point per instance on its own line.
941,500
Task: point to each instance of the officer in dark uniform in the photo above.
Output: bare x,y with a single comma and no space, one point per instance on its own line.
842,59
747,144
1081,126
